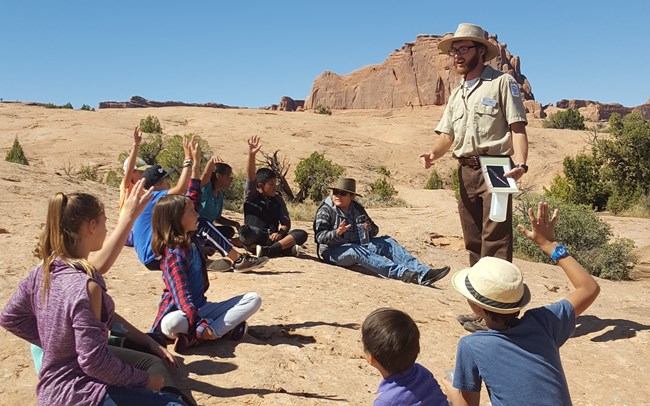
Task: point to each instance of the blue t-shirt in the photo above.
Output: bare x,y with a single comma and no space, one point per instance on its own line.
211,207
195,278
417,386
143,232
520,365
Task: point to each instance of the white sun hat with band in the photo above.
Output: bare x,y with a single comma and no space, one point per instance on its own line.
493,284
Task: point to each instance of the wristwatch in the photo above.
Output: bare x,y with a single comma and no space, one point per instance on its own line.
522,166
559,252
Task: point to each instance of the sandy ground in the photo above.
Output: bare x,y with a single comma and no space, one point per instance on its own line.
304,347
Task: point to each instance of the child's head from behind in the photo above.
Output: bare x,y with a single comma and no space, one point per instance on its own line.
221,177
157,177
267,182
392,339
173,219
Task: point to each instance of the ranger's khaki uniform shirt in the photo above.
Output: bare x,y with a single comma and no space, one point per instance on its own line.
479,118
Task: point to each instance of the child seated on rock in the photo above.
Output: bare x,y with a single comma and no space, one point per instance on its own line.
267,225
391,343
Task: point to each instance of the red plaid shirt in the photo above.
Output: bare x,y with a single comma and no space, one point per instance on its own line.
175,266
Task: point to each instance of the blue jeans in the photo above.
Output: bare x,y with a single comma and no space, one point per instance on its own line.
383,255
126,395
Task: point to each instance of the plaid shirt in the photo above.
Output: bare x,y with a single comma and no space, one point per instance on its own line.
175,266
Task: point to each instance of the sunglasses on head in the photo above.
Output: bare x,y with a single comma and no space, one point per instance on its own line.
340,192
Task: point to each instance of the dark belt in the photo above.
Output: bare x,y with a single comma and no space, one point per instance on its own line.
471,161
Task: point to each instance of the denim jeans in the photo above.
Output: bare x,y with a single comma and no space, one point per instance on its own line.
383,255
126,395
222,316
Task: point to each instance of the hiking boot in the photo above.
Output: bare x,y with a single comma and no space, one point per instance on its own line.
410,277
434,275
474,326
464,318
248,263
237,333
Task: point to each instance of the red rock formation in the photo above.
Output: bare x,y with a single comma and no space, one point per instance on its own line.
415,75
141,102
289,104
595,111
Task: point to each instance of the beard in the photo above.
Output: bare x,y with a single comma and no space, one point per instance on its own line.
469,65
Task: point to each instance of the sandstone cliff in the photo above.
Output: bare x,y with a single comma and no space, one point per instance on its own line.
415,75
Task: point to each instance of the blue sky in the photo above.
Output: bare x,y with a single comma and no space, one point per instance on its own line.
248,53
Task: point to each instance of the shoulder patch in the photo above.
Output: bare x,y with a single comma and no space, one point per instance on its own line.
514,89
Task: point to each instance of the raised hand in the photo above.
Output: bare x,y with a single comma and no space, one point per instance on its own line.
254,145
137,198
137,135
186,147
542,230
195,150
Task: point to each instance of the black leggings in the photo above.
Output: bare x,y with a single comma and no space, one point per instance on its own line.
251,235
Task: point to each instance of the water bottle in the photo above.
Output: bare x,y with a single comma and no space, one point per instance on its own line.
364,235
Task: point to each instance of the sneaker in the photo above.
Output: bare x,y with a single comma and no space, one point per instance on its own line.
474,326
410,277
434,275
183,342
247,263
295,251
219,265
237,333
262,251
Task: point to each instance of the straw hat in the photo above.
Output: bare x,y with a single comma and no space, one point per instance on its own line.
493,284
470,32
346,184
140,164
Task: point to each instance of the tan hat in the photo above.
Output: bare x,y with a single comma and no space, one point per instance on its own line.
140,164
471,32
493,284
347,184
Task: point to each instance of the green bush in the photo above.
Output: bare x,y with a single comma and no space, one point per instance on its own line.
16,154
383,171
570,118
455,183
383,189
172,154
323,110
113,179
149,149
68,105
581,183
150,125
86,107
88,172
586,236
434,181
233,197
313,174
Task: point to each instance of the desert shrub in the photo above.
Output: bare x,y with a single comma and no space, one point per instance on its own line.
383,171
233,197
68,105
381,193
150,125
434,181
323,110
582,182
112,179
88,172
383,189
586,236
172,154
86,107
641,208
302,211
570,118
16,154
313,174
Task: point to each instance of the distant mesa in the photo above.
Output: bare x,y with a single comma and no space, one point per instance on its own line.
141,102
418,74
596,111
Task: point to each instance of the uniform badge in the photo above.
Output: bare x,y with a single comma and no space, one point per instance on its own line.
514,89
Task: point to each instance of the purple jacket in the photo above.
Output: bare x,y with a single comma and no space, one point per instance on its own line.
77,365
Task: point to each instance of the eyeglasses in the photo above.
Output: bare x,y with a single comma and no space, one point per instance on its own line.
459,51
340,193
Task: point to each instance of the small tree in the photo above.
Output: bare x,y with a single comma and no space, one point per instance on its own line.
570,118
16,154
313,174
172,154
151,125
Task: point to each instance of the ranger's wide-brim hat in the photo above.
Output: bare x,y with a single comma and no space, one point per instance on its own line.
471,32
493,284
346,184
